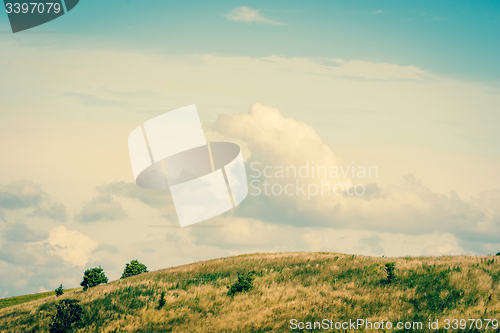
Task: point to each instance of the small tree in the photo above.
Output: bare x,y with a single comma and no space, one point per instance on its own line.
59,291
243,284
390,270
162,301
498,254
68,316
134,268
93,277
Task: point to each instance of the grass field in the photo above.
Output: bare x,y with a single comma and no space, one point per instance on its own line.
308,287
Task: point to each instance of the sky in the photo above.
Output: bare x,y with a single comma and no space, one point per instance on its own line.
410,88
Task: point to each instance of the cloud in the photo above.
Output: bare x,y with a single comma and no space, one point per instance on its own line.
27,268
25,194
372,244
409,207
20,233
444,249
249,15
71,245
101,208
33,260
152,198
95,101
56,212
375,12
350,68
24,246
21,194
109,248
160,200
276,139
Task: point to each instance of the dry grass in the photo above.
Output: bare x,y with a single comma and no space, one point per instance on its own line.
304,286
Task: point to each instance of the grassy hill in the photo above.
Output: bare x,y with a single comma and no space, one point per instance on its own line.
308,287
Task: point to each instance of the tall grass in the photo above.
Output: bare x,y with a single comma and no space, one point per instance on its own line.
304,286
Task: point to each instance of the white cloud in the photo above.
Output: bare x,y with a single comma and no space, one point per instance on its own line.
101,208
410,207
33,260
71,245
24,194
20,233
21,194
350,68
444,249
249,15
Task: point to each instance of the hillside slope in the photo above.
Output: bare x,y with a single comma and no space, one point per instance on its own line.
307,287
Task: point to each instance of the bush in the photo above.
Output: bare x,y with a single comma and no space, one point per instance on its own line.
162,301
93,277
498,254
243,284
59,291
390,270
68,316
134,268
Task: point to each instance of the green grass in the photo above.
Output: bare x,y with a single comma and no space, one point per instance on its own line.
11,301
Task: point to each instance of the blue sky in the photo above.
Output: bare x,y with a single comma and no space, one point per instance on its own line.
453,38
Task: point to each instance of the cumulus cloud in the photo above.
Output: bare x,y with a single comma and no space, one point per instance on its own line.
101,208
409,207
249,15
71,245
24,194
280,140
27,278
33,260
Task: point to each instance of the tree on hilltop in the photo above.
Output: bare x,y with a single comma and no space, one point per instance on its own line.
134,268
93,277
59,291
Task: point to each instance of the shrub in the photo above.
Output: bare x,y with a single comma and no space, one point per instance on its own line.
59,291
68,316
389,269
243,284
162,301
93,277
498,254
134,268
